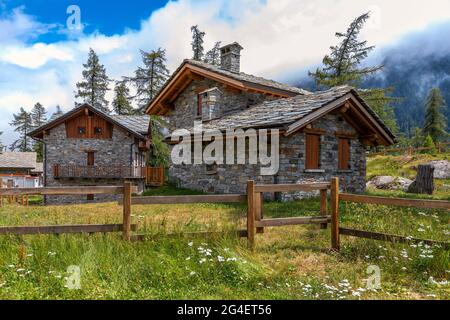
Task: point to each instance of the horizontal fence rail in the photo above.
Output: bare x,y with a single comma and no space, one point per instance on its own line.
223,198
291,221
291,187
64,229
401,202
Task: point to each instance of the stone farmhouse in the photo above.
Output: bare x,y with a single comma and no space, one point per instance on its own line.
322,134
86,147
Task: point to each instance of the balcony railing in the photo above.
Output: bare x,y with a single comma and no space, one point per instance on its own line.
77,171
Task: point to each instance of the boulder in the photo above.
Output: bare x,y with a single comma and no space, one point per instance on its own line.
441,169
389,183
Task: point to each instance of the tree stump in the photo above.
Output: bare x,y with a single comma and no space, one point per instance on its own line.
424,182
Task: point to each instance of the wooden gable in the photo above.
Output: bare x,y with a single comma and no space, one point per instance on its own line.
88,126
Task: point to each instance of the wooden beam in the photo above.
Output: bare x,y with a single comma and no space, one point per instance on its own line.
291,187
222,198
390,237
292,221
416,203
63,229
251,214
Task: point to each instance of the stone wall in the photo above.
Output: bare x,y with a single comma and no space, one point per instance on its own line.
118,151
233,178
185,112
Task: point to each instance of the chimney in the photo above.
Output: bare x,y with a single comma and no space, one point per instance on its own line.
230,57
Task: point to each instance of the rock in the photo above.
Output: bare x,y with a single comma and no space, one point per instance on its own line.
441,169
389,183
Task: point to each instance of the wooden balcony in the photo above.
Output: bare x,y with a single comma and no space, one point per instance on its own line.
99,172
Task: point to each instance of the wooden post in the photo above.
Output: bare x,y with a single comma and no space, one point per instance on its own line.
335,245
126,211
323,207
424,182
251,214
259,203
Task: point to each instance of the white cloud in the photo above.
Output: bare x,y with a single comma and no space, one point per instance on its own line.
279,38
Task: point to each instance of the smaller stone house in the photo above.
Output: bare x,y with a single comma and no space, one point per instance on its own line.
86,147
322,134
20,170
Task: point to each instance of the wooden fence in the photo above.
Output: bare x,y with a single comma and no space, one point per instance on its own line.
440,147
126,227
336,230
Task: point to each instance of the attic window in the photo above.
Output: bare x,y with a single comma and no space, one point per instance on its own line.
81,130
98,130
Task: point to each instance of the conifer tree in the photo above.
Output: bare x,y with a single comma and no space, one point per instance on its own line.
150,78
213,55
121,103
92,89
197,43
22,124
38,118
343,67
435,121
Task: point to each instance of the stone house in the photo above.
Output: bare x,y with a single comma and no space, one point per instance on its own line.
20,170
86,147
322,134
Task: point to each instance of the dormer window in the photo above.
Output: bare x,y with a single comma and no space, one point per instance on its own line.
81,130
98,130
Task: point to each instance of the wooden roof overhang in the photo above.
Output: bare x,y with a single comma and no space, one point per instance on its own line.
163,102
83,109
371,132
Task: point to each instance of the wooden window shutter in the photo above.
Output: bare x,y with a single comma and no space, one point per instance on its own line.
344,154
312,151
199,105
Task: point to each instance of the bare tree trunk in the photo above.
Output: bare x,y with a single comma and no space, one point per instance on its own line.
424,182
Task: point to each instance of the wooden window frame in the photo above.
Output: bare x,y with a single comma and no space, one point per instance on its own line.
344,159
311,150
199,105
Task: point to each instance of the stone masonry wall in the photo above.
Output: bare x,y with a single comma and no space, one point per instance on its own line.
118,151
233,178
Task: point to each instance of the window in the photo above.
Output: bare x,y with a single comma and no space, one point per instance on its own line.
199,105
344,153
81,130
98,130
90,158
312,151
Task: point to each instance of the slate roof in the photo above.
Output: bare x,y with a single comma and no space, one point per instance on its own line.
245,77
18,160
139,124
285,111
39,168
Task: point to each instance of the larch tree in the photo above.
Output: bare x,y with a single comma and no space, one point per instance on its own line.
343,67
197,43
92,89
435,121
22,124
38,118
121,103
150,78
213,55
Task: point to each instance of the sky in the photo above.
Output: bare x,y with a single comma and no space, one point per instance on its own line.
43,45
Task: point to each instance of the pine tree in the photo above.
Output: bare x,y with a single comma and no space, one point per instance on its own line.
435,121
197,43
213,55
343,67
160,152
38,118
150,78
23,124
93,88
429,143
121,103
417,140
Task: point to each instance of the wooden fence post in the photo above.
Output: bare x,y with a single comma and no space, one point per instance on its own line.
126,231
323,207
251,214
335,245
259,204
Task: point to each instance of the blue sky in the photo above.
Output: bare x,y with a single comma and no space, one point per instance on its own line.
41,59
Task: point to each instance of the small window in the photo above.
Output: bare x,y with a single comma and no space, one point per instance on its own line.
98,130
312,151
344,153
81,130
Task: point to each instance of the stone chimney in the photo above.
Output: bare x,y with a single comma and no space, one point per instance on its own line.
230,57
